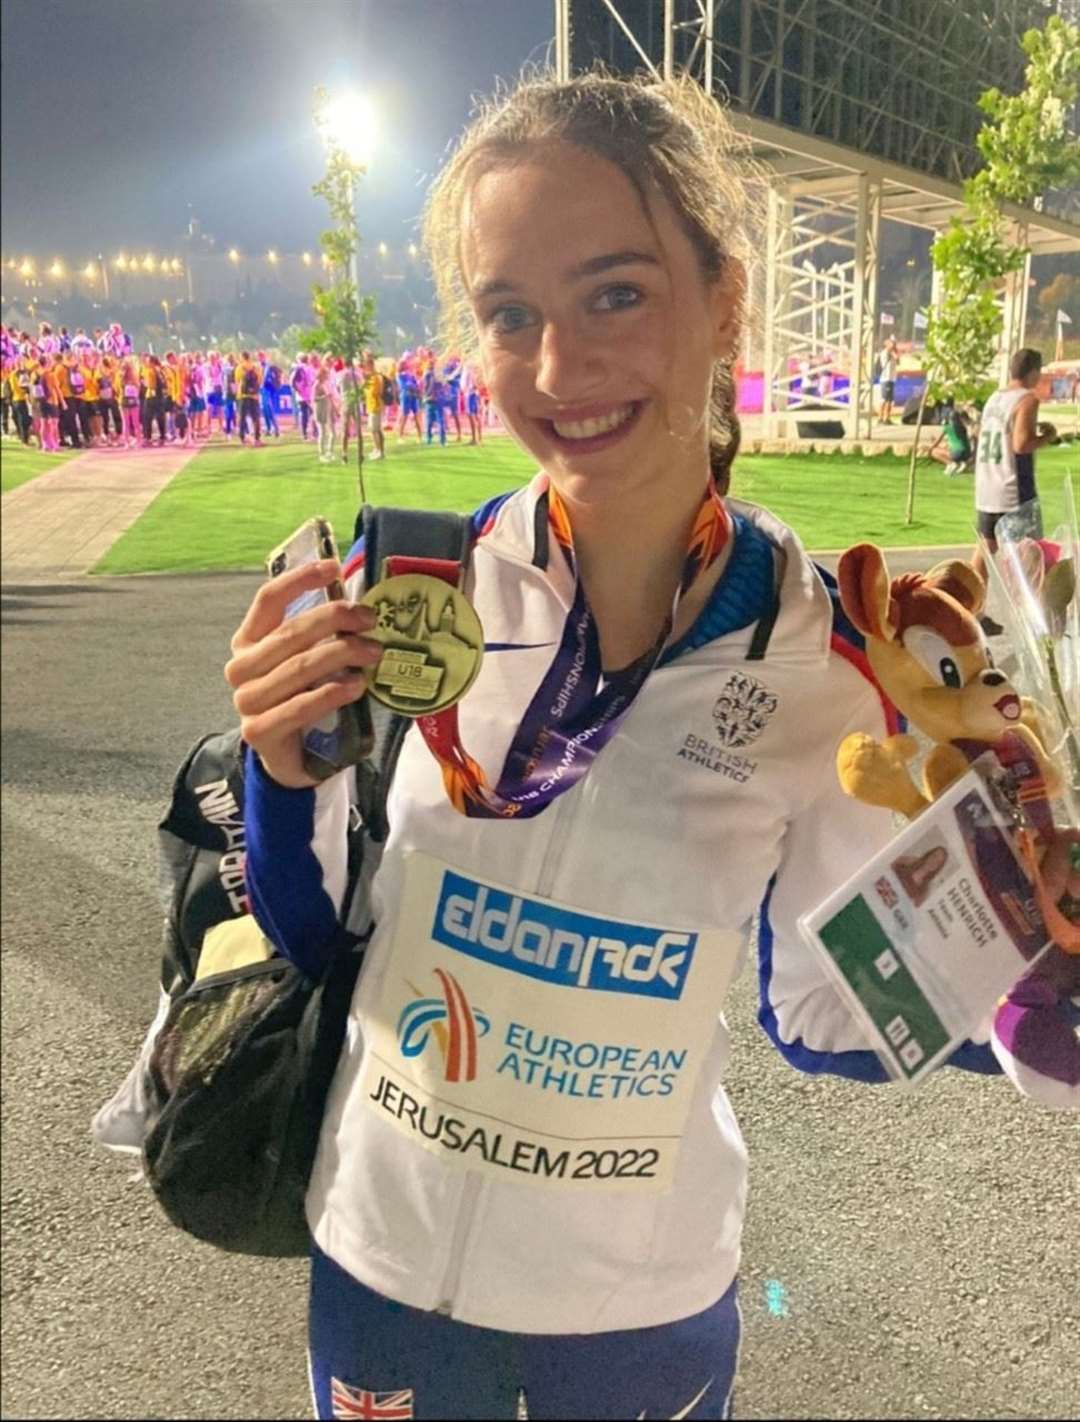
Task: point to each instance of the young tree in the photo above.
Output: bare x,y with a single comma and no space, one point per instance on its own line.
1027,149
346,318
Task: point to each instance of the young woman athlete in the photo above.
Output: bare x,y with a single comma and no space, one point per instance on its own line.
529,1191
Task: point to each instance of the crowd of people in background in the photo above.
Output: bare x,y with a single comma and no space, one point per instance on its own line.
95,391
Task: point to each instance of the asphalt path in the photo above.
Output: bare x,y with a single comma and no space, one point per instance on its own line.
905,1256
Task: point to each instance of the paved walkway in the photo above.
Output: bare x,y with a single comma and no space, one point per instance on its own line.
62,523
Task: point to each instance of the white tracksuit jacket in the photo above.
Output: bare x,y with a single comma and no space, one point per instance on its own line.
698,813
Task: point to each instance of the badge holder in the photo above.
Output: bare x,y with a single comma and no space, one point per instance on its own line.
927,937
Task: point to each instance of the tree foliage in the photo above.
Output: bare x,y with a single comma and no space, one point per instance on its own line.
1026,145
1027,149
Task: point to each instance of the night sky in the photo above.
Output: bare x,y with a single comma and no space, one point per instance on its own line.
122,118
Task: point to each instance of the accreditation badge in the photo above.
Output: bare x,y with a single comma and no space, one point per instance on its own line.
433,643
530,1040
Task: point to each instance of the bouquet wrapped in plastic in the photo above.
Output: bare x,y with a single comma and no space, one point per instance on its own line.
967,924
1036,582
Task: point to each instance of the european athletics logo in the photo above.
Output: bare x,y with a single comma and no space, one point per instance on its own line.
455,1024
557,945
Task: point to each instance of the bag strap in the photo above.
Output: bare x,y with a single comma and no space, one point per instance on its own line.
391,533
415,533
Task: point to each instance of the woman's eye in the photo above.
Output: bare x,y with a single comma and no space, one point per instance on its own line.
617,298
506,319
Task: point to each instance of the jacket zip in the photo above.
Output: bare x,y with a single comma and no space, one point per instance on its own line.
470,1193
558,814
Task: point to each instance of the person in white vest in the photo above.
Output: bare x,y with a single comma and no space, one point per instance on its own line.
530,1185
1009,434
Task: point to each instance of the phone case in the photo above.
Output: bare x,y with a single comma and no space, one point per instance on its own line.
346,736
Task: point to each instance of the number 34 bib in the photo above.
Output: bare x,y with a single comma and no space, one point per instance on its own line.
530,1040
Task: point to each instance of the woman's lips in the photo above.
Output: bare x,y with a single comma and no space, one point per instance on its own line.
575,425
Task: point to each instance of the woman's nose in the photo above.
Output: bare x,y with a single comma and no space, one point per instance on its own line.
568,368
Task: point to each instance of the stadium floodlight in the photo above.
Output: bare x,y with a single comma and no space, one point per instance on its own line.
305,257
89,271
383,249
349,124
271,257
412,249
148,262
27,268
234,255
57,269
121,263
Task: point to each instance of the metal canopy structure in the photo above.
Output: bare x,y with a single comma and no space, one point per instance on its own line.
861,111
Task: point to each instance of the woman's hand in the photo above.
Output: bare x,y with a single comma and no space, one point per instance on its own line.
279,670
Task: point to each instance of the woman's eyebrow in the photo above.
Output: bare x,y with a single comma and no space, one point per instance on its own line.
593,266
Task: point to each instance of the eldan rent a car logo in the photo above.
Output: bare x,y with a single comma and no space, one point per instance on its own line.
557,945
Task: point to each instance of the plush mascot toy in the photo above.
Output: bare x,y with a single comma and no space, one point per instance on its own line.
928,653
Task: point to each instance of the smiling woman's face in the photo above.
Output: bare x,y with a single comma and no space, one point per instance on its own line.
597,329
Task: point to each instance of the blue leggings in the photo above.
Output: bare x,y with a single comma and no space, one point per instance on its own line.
269,413
436,415
230,415
371,1357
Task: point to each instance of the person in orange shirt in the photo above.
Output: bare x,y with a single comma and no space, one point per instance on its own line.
129,399
20,379
88,369
48,403
109,382
67,414
176,403
154,380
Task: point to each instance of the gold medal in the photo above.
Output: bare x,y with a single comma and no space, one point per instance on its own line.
432,639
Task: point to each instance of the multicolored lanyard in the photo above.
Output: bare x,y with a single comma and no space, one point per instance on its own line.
576,709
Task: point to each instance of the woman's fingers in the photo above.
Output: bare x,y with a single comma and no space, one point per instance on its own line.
267,610
298,635
268,729
303,671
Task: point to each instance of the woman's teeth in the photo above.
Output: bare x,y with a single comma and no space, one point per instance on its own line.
598,425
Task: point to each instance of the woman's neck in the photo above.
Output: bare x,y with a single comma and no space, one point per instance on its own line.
630,554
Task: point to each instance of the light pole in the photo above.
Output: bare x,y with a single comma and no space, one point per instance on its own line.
349,125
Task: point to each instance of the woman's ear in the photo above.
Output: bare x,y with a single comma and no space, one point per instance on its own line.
727,299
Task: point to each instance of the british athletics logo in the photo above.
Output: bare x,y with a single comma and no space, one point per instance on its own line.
557,945
346,1401
452,1021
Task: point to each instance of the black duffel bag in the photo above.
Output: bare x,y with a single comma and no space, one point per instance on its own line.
240,1070
226,1099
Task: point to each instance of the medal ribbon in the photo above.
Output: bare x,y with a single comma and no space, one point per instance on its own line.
571,717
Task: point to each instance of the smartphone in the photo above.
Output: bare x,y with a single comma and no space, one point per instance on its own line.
346,736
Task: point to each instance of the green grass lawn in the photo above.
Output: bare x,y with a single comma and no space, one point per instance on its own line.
18,464
1066,417
230,506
